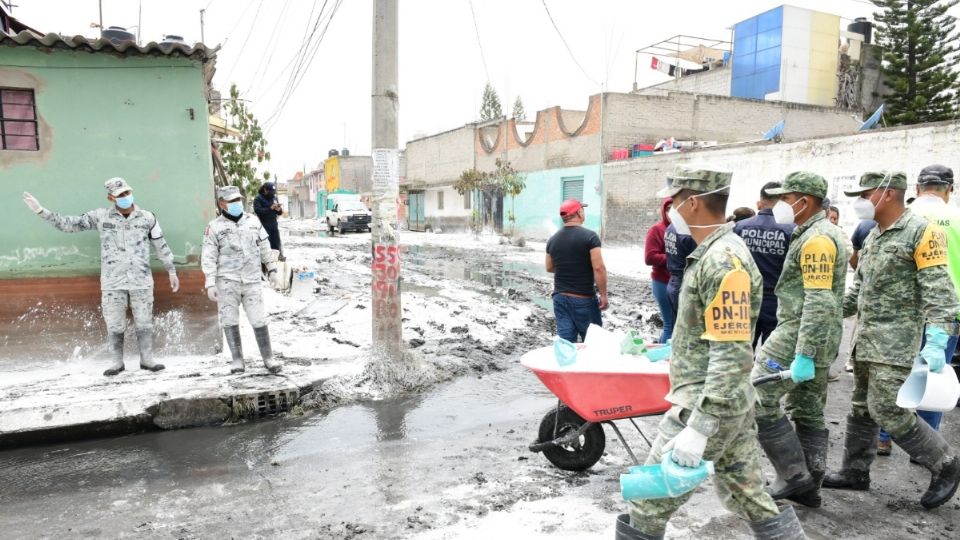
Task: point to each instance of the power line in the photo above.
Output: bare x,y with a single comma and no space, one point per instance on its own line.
253,25
572,57
298,63
270,48
296,56
479,43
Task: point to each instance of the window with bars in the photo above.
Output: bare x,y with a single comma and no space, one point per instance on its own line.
467,200
18,120
573,188
439,200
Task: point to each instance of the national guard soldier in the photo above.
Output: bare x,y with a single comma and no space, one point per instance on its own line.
713,401
900,285
805,341
126,281
234,246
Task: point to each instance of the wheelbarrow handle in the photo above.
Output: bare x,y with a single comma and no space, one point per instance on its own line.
778,376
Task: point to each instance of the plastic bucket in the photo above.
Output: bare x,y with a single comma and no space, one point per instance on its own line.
929,391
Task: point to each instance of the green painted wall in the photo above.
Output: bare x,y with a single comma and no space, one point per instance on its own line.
102,115
537,207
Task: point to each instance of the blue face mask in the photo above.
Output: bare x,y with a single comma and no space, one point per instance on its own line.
235,208
124,202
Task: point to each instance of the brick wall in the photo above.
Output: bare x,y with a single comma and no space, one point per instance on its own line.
714,82
630,185
439,159
632,118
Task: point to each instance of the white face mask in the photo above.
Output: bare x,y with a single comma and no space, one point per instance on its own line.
680,224
864,209
783,212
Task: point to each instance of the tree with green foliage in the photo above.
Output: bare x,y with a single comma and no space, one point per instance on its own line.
504,180
241,159
490,107
919,43
518,113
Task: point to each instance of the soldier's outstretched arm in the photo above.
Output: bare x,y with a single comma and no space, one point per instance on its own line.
853,293
266,254
209,255
819,256
68,224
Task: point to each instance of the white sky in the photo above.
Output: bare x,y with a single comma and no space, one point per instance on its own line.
441,72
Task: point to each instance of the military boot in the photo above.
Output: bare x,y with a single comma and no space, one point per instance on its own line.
784,526
145,342
779,441
626,531
232,334
263,341
928,448
859,451
116,349
814,443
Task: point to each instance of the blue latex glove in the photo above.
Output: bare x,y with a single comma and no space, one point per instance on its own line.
801,370
933,353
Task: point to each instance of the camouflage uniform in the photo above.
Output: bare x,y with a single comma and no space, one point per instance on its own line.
231,258
900,285
233,250
710,386
125,275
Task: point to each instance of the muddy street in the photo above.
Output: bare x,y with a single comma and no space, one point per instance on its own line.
449,462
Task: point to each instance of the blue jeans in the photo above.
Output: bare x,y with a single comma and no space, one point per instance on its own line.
666,309
574,315
931,417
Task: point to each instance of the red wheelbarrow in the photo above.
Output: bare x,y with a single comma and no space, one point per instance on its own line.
571,435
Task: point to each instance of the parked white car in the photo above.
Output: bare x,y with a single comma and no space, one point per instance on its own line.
348,215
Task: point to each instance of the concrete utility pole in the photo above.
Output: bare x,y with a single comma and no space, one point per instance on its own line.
202,39
385,293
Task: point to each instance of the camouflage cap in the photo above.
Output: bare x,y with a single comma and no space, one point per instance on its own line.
702,180
228,193
802,182
876,179
935,174
115,186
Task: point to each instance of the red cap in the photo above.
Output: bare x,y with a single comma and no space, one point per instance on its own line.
570,206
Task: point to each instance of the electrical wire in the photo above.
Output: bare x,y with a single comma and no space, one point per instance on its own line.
253,25
476,28
572,57
269,49
296,56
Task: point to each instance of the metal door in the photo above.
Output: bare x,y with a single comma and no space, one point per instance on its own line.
416,217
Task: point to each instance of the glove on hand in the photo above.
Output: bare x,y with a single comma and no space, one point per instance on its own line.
32,203
275,280
802,368
933,353
174,282
212,293
688,447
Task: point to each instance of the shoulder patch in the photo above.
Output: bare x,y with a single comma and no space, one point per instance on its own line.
818,256
932,249
727,317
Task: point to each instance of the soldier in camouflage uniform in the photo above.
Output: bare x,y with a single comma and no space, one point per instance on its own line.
805,341
234,246
900,284
126,281
713,401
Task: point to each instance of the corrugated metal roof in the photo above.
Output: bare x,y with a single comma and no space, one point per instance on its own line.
27,38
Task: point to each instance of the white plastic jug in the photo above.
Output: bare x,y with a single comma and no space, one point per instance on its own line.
929,391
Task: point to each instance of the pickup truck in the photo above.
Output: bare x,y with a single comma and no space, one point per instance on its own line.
348,215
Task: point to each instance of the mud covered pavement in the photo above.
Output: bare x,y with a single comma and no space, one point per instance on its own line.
447,462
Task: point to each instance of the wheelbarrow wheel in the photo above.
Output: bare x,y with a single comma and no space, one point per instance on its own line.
580,455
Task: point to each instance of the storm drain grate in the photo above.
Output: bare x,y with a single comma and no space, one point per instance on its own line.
264,403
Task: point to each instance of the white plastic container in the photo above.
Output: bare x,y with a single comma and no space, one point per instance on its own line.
929,391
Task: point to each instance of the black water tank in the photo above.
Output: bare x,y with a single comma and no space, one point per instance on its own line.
861,25
333,152
117,34
345,152
170,40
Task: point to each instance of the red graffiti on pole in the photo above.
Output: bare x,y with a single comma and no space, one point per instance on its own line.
386,274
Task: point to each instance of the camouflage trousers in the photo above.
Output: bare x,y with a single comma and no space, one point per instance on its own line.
231,294
875,388
114,306
804,403
735,453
